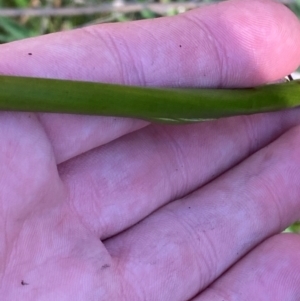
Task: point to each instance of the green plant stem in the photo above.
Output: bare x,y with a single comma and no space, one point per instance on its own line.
154,104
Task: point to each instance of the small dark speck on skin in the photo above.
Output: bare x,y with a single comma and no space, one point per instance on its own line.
23,282
105,266
189,207
180,46
29,53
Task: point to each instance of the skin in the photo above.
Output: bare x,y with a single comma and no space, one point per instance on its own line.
96,208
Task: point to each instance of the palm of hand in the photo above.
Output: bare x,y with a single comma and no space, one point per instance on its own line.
45,248
53,219
90,213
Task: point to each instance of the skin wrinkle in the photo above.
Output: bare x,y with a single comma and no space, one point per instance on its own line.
279,248
177,243
135,69
219,294
242,213
161,58
273,197
7,251
117,57
258,178
178,153
207,224
201,238
217,49
207,73
214,295
127,69
126,287
149,263
70,189
137,61
278,126
77,211
215,35
26,168
251,131
219,129
106,50
293,144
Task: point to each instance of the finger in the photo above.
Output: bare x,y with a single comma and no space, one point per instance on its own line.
130,178
232,44
72,135
199,237
235,43
269,272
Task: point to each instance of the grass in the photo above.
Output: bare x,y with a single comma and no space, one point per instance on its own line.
24,26
73,14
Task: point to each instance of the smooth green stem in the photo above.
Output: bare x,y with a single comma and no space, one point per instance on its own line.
154,104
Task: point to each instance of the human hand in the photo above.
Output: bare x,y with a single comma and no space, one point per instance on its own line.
100,208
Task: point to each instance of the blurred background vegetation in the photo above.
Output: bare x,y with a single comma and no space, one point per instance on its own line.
21,19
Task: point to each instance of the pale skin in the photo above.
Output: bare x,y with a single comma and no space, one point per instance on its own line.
96,208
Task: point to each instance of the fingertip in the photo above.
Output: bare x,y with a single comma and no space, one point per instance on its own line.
255,42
